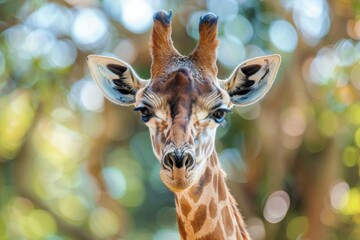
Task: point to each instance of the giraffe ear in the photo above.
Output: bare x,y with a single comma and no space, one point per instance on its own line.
115,78
252,79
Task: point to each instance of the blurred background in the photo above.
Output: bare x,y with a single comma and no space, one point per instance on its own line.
75,166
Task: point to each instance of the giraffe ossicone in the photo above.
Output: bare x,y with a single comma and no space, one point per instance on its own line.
183,104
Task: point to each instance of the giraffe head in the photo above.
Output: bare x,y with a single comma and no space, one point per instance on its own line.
184,102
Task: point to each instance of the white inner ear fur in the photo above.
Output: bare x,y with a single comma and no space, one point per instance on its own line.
104,79
247,89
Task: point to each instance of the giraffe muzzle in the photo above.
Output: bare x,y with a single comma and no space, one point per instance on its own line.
177,171
178,159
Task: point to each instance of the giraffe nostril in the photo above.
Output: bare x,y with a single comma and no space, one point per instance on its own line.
168,161
189,161
174,159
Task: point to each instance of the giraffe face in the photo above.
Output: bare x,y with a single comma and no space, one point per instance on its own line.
182,109
184,102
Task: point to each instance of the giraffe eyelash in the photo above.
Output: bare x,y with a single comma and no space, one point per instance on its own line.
211,101
155,101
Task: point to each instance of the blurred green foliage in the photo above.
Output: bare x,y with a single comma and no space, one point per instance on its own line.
74,166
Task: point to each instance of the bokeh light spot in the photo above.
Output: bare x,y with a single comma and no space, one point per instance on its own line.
135,194
357,137
256,228
62,54
328,123
115,181
126,51
113,7
350,156
338,195
103,223
91,97
323,66
73,207
136,15
39,42
353,114
253,50
276,206
297,227
351,201
239,28
15,119
293,121
52,17
41,223
15,36
231,52
249,112
283,36
227,9
344,50
311,18
90,28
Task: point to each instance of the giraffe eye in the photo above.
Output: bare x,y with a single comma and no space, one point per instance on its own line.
219,115
144,112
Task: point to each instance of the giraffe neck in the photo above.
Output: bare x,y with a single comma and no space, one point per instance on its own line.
208,210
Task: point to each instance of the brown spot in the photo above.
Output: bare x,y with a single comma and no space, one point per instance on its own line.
185,206
215,181
217,234
161,126
199,218
195,193
181,228
228,224
205,179
221,189
212,208
213,161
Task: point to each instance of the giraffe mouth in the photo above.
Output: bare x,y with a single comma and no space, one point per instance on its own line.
176,182
179,179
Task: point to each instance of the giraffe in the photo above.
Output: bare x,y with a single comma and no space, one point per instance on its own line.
183,104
